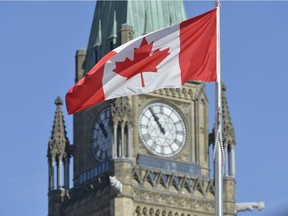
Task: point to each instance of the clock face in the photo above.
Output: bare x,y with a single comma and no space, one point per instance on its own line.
101,135
162,129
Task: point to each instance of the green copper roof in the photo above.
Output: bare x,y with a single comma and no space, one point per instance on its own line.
144,16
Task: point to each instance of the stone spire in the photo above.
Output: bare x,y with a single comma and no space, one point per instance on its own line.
228,132
97,44
58,143
58,151
99,36
228,136
113,35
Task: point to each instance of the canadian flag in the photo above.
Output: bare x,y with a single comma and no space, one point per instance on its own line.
166,58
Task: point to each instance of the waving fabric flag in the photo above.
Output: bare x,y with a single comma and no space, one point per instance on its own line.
166,58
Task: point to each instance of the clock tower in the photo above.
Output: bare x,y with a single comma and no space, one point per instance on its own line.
138,155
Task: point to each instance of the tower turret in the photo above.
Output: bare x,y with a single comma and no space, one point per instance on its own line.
58,162
228,135
228,139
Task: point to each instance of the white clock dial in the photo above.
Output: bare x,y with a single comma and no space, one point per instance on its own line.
101,135
162,129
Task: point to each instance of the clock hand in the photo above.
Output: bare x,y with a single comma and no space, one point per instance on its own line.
157,121
102,129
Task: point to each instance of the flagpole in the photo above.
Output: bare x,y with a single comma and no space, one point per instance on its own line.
218,148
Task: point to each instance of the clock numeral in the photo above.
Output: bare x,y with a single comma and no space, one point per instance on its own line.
95,127
169,112
143,126
146,136
106,154
180,132
162,150
162,109
102,154
154,145
147,115
178,122
178,142
171,148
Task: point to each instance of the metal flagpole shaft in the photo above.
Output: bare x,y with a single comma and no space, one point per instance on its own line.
218,180
218,153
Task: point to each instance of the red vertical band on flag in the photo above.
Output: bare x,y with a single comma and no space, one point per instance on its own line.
89,90
198,48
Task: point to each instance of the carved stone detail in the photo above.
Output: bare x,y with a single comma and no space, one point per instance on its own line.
203,130
154,179
121,110
161,210
154,185
181,93
184,157
116,184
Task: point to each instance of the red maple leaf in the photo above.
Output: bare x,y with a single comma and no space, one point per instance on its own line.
144,61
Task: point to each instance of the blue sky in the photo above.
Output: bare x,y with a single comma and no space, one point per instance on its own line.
38,41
